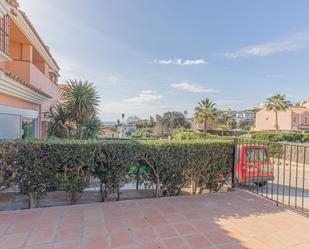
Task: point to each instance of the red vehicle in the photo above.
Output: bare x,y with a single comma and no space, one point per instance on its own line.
253,165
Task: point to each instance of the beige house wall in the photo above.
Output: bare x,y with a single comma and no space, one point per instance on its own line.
266,120
293,119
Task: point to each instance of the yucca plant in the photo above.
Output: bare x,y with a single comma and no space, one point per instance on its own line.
59,122
81,99
75,116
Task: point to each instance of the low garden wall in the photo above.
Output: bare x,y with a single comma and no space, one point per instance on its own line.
65,167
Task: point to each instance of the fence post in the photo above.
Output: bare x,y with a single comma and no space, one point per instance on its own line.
235,142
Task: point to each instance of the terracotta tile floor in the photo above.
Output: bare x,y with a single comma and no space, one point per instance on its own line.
219,220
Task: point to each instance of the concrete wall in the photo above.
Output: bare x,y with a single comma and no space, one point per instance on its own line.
16,102
14,201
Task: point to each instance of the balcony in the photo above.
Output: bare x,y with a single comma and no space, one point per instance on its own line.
4,39
29,72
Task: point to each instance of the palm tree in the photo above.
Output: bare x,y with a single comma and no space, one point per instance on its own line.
58,124
91,128
223,128
204,111
231,123
81,99
277,103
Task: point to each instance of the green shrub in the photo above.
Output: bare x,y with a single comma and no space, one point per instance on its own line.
294,137
39,166
113,162
144,132
175,163
7,170
184,134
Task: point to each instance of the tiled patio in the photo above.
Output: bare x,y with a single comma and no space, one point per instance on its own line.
219,220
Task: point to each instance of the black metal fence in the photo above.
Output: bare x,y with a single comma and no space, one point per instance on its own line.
276,170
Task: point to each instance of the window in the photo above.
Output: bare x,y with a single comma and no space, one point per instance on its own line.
294,119
29,128
306,120
256,155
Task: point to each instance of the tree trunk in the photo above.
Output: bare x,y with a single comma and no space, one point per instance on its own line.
201,190
102,193
205,125
75,196
33,199
277,128
118,194
158,188
193,187
137,177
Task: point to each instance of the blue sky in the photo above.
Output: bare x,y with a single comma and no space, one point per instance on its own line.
148,57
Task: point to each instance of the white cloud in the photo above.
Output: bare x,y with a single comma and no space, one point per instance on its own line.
192,87
181,62
144,96
293,43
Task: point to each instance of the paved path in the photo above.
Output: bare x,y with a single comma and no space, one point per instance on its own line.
217,220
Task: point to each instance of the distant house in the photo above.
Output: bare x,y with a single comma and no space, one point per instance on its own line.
295,118
241,115
109,131
28,75
131,126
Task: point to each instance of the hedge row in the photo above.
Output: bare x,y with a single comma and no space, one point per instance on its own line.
184,134
39,166
294,137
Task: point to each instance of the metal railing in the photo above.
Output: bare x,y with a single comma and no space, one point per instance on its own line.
4,34
276,170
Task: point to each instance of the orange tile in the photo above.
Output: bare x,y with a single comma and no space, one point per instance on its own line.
166,231
13,240
95,242
40,246
175,243
184,229
121,239
155,220
19,228
76,244
269,241
151,245
197,241
144,235
41,236
69,233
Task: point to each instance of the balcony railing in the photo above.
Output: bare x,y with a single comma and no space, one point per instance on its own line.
4,34
29,72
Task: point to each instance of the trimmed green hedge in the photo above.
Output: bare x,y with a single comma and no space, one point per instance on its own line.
294,137
39,166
